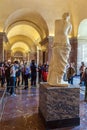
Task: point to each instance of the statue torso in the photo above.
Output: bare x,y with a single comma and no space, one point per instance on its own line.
61,31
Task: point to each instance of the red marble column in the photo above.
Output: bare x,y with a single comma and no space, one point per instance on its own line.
73,53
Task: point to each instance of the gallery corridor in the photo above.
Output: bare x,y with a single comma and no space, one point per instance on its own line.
21,112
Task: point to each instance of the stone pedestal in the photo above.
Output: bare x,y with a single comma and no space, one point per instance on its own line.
59,106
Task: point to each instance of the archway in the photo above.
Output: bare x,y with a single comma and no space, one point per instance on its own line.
82,44
18,56
25,27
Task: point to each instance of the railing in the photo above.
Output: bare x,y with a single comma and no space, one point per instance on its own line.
2,102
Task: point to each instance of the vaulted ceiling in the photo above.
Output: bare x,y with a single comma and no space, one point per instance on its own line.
27,22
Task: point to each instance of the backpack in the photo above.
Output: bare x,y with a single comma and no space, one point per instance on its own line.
33,68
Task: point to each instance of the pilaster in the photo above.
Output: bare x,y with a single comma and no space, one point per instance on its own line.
50,39
73,53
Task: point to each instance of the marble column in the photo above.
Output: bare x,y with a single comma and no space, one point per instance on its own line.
37,56
8,54
27,56
40,57
1,47
73,53
50,43
5,55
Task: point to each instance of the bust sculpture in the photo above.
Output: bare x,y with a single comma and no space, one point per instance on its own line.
60,50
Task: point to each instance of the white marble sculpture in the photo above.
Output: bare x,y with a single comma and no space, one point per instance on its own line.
60,51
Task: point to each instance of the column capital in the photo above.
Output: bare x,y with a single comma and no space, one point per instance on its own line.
3,36
44,41
73,39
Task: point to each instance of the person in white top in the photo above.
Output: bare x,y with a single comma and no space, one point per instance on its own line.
13,70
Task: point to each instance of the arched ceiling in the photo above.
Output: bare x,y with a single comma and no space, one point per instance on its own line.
21,38
25,33
20,45
26,25
78,9
25,30
31,21
19,49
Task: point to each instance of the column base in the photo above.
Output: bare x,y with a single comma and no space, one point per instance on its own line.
60,123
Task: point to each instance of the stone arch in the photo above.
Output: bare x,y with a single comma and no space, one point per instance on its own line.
24,15
82,43
82,29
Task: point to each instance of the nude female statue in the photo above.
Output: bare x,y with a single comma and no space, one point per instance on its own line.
60,50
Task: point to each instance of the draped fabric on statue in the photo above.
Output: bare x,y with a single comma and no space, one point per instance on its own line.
60,51
58,63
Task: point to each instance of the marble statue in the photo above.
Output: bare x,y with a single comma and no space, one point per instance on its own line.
60,51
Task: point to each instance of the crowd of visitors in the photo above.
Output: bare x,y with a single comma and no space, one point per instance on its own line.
16,74
71,72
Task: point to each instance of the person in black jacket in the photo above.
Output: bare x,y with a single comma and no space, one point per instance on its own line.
7,75
33,68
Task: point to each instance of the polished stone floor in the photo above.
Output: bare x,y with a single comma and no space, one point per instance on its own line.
21,112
